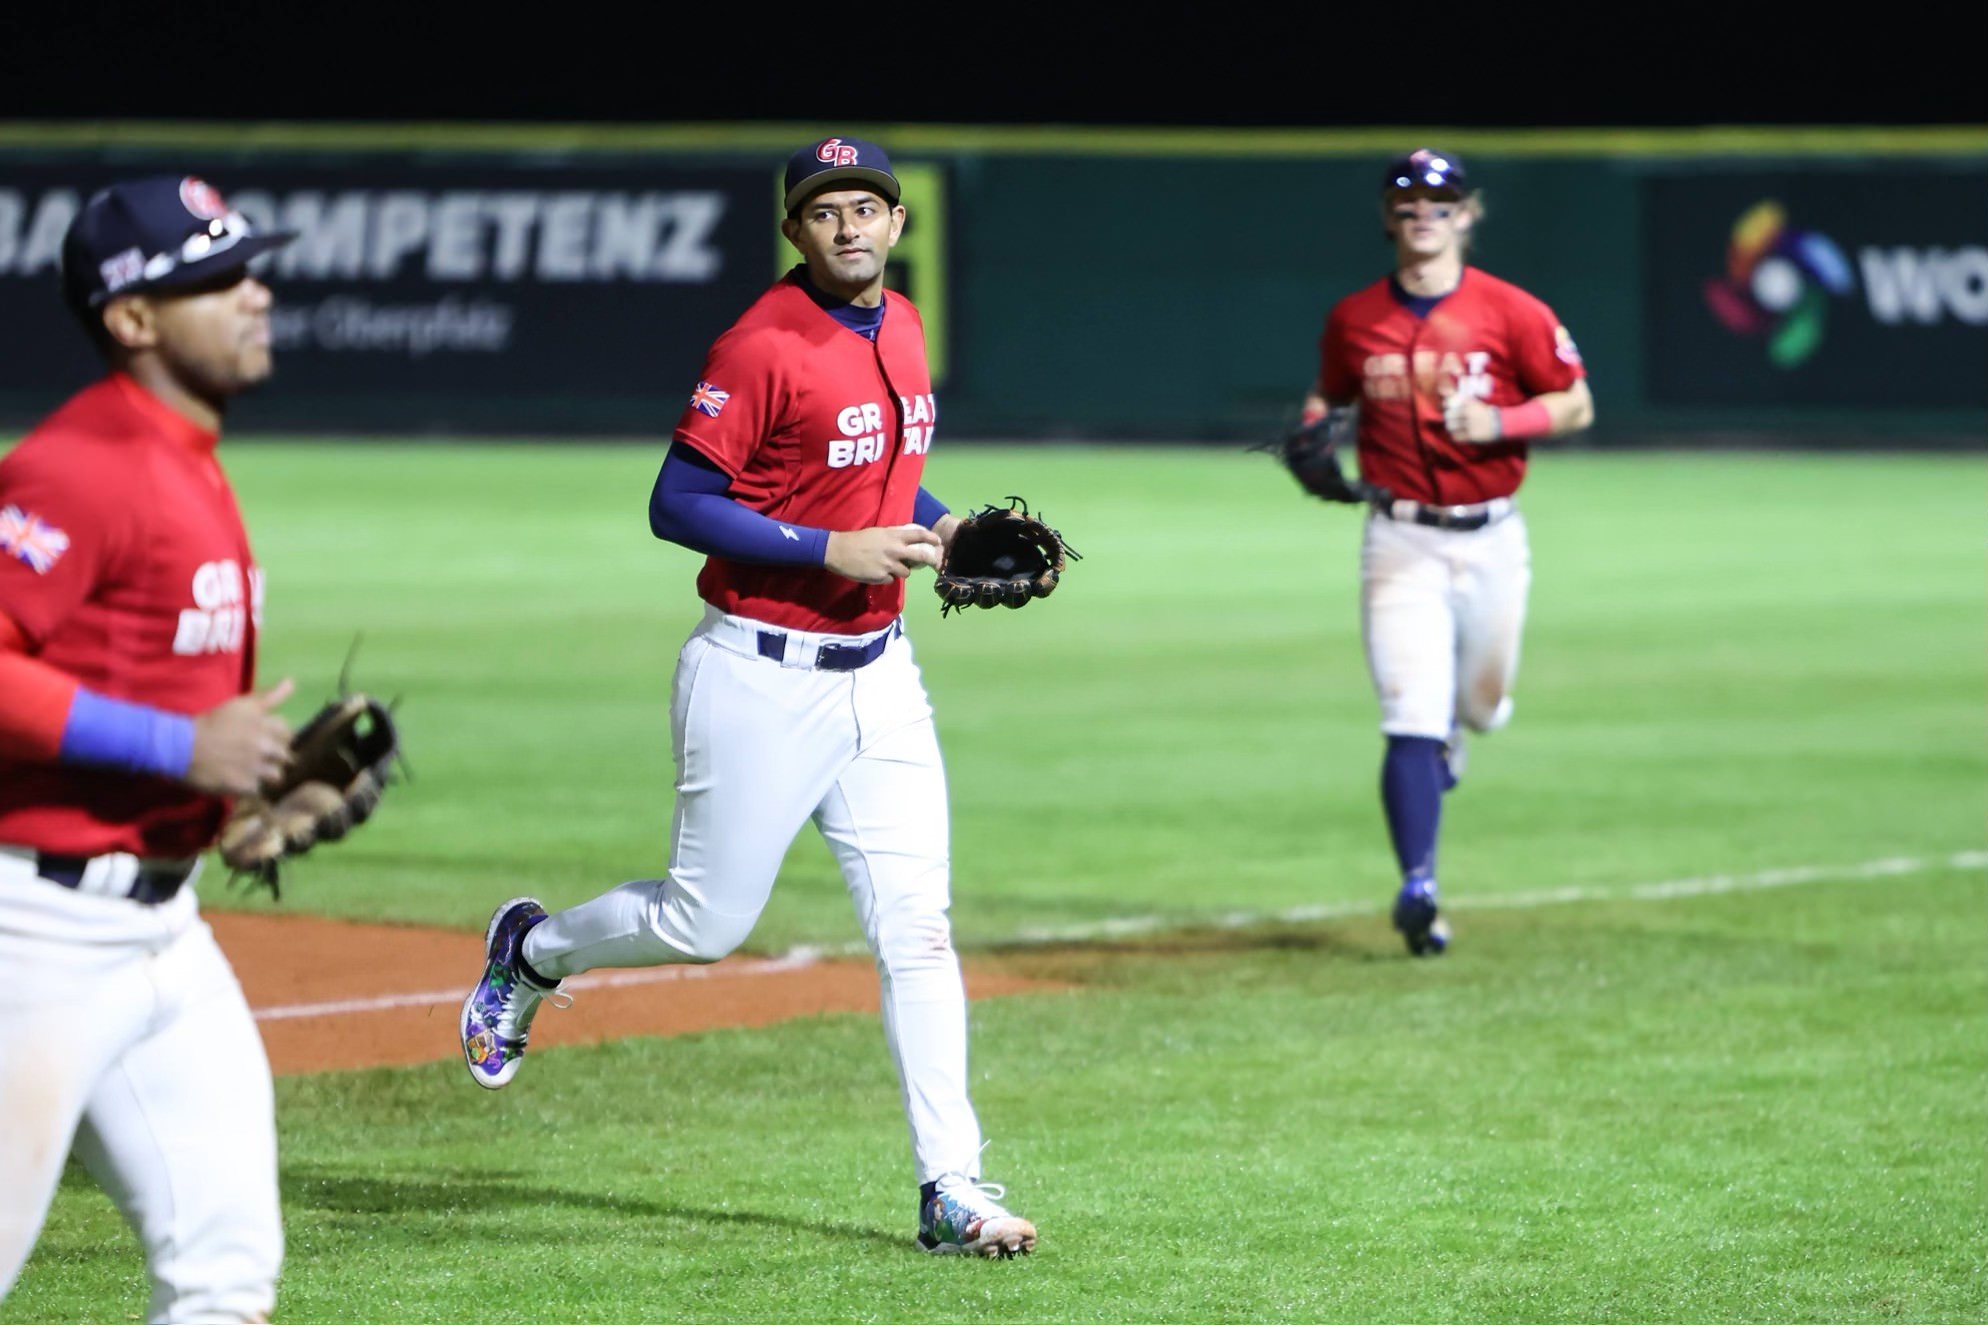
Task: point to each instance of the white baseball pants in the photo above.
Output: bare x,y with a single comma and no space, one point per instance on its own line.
1442,614
763,745
124,1032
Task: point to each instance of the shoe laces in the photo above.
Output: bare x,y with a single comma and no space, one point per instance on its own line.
972,1192
520,1004
982,1198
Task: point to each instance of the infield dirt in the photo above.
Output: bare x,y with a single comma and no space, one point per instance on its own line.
335,995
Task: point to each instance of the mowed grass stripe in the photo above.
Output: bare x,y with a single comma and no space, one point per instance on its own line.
1757,1105
1186,728
747,968
1752,1106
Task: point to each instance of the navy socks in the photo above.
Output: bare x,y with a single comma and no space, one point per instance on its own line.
1413,779
525,967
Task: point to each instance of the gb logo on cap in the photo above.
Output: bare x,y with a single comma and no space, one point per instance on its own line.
836,153
201,198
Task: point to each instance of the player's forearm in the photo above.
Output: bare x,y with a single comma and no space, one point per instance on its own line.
720,527
1554,414
47,717
929,511
691,505
34,707
1570,410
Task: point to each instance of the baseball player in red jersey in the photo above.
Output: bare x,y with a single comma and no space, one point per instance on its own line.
796,468
1453,373
130,605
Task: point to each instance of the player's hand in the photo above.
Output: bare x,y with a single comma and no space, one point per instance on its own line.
242,745
1470,419
882,554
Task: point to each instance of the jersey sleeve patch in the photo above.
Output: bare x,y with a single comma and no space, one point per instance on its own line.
709,400
31,540
1564,348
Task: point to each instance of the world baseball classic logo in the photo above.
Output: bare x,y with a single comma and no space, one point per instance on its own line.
1778,283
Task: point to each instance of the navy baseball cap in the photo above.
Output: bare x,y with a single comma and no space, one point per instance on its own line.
831,160
1426,168
153,234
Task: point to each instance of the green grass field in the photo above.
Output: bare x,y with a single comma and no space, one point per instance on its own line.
1758,1095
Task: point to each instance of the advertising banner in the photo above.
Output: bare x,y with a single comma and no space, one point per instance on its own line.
1830,287
454,283
470,294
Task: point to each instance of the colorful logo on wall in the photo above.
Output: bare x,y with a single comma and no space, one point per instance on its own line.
1778,283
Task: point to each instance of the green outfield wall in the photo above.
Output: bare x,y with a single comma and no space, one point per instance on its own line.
1824,287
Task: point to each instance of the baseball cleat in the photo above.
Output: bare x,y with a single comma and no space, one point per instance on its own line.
497,1015
1415,916
957,1216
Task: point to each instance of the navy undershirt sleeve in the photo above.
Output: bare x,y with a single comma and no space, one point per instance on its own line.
689,505
927,509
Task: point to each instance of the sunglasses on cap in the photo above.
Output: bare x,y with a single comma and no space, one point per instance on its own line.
217,236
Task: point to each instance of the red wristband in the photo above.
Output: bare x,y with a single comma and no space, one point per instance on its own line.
1518,422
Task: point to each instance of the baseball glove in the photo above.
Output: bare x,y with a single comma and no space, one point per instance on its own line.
1312,453
1001,556
340,764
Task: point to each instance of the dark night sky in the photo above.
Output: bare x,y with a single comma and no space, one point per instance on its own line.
574,63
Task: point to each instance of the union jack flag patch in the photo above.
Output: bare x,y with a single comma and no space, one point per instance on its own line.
708,399
31,539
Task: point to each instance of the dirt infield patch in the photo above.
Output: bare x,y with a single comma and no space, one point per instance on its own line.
334,995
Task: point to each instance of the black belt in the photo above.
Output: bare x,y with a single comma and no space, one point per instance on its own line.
833,657
1463,518
152,886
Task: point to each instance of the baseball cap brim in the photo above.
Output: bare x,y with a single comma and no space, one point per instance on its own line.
885,183
238,254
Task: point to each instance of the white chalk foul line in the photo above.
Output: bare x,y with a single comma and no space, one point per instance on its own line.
1127,926
648,975
1890,867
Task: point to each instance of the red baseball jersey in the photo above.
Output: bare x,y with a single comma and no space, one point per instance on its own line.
1487,338
816,425
128,569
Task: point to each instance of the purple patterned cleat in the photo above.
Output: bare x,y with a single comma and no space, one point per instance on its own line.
497,1015
1415,916
960,1216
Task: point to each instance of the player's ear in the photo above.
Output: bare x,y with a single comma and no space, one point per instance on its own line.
791,227
132,322
896,224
